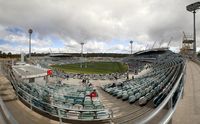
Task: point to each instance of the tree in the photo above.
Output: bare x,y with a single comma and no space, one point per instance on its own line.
10,54
0,53
4,55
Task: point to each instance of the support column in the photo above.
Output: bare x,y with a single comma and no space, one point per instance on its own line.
194,45
59,115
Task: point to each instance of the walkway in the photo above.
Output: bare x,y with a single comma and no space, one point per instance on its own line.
188,109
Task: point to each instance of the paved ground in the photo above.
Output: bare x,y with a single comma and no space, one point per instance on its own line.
188,109
24,115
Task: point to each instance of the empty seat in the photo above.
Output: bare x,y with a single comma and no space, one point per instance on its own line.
119,94
142,100
138,95
125,95
132,99
103,114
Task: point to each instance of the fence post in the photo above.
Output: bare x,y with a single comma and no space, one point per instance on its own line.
59,115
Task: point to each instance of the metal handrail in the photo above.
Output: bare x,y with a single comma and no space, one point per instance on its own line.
7,114
171,111
58,108
13,81
168,116
68,109
151,115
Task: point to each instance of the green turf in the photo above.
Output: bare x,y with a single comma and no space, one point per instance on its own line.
93,67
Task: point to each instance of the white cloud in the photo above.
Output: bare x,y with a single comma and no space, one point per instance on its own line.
97,22
24,40
9,48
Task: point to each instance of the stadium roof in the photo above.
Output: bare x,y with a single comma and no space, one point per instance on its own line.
152,50
29,71
60,55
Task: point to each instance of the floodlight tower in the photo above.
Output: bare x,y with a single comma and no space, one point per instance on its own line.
131,42
81,54
192,8
86,60
30,31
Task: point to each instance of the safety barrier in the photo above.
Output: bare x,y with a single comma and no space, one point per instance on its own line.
6,116
167,100
60,113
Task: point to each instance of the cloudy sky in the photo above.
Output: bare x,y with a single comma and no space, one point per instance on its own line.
103,25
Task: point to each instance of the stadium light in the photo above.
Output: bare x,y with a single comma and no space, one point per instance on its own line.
30,31
82,54
192,8
131,42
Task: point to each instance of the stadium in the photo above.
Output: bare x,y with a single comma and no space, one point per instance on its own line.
151,93
97,78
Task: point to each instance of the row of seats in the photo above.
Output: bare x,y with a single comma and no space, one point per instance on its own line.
155,84
57,94
65,96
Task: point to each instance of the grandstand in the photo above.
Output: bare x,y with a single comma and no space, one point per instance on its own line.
151,89
149,98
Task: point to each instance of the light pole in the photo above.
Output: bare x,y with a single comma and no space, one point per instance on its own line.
86,60
30,31
131,42
82,54
192,8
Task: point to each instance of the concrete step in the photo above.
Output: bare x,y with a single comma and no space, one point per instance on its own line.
3,87
8,91
9,97
4,82
123,112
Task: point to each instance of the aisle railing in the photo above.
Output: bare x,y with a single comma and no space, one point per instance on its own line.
53,111
168,101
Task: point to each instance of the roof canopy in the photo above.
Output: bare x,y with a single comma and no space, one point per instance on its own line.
29,71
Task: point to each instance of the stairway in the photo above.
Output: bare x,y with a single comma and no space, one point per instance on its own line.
123,112
7,92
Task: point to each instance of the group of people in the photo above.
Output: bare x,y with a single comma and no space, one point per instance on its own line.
121,84
93,94
86,82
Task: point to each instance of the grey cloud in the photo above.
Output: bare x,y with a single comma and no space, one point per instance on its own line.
94,20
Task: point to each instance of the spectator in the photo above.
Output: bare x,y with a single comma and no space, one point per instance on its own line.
67,77
113,85
90,85
93,94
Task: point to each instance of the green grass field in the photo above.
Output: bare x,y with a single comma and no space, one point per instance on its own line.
93,67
